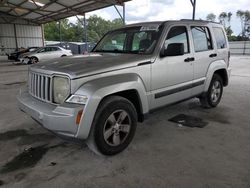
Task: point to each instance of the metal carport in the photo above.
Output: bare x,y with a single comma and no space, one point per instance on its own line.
20,19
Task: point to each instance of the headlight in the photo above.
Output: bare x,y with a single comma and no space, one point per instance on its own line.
61,89
77,99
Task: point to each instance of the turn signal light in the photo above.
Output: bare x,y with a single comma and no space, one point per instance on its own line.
79,116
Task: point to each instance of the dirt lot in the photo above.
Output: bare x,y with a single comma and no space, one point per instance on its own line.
161,155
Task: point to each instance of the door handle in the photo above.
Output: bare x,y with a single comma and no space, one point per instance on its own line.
189,59
213,55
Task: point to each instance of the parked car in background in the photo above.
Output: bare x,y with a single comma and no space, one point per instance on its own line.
44,53
15,55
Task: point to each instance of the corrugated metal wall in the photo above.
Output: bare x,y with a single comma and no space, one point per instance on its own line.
240,47
26,36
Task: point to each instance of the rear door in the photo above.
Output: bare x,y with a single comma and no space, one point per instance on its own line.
221,44
43,53
204,53
56,52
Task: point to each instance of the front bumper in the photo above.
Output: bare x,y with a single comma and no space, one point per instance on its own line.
11,57
59,119
24,60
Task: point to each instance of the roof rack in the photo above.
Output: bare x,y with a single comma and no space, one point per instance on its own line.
199,21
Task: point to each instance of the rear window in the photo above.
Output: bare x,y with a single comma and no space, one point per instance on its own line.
220,38
202,39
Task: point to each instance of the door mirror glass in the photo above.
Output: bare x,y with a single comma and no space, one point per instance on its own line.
173,49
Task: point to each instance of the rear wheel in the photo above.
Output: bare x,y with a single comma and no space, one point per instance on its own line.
113,127
213,96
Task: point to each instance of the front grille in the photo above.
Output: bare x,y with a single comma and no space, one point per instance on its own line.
40,86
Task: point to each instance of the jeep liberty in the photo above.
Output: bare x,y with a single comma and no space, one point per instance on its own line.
131,71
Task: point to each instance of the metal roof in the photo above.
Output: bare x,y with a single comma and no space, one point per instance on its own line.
36,12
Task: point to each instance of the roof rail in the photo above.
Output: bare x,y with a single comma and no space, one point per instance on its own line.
199,21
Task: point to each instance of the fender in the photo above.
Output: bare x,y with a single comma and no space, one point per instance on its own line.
213,67
99,88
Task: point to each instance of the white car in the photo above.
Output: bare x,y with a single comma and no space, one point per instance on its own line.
43,54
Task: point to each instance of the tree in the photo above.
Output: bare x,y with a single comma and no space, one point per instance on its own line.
225,20
211,17
245,20
96,28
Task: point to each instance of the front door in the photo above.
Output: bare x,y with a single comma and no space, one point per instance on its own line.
172,76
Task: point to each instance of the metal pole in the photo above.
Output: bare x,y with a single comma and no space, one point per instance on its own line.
86,34
194,9
122,17
60,33
193,2
15,33
124,14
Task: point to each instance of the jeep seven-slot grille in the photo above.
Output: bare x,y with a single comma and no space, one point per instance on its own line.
40,86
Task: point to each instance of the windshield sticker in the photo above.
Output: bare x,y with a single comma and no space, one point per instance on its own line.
150,28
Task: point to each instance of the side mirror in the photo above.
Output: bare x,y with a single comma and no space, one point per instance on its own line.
174,49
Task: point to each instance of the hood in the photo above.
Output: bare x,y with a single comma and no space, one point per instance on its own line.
27,54
85,65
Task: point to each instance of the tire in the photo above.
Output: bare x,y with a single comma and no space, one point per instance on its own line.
64,55
113,127
33,60
213,96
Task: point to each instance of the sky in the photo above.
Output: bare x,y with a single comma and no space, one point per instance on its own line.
159,10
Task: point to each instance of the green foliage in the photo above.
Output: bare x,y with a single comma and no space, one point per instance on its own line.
96,28
211,17
245,20
238,38
225,19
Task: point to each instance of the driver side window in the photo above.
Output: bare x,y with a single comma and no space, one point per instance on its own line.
178,34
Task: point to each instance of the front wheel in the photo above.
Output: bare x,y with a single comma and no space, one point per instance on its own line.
114,126
33,60
213,96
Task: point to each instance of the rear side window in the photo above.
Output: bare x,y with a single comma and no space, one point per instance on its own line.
55,49
202,39
178,34
47,49
220,38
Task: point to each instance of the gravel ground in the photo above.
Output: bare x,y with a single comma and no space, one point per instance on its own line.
162,153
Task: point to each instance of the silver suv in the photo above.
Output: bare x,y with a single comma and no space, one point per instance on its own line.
131,71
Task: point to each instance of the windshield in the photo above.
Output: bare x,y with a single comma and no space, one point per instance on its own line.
137,40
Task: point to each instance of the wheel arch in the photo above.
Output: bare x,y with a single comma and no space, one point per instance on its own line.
133,96
217,67
223,74
129,86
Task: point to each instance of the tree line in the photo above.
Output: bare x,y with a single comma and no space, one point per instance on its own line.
97,27
225,19
75,32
